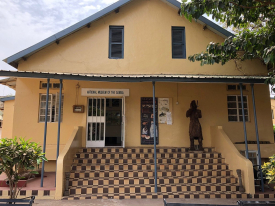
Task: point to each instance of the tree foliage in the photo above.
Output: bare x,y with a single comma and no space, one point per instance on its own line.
255,21
15,155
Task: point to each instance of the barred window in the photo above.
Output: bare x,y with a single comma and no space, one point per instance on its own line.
53,107
234,106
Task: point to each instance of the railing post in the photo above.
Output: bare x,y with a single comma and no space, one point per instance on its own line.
58,128
67,177
45,131
244,124
257,136
155,138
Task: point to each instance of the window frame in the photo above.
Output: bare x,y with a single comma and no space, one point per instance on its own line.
183,42
50,107
111,43
238,113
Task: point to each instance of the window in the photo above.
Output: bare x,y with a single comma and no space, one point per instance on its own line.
178,43
53,107
54,85
235,87
235,108
116,42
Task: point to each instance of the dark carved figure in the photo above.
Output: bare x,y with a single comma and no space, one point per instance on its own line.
195,131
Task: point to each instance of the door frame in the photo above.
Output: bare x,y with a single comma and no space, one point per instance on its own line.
99,144
123,122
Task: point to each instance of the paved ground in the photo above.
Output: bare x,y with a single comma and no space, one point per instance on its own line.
139,202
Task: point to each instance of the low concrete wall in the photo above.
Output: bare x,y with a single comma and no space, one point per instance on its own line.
233,158
65,160
267,150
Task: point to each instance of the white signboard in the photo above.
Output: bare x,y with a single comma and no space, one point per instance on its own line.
94,92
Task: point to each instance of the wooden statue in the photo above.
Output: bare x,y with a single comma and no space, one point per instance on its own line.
195,131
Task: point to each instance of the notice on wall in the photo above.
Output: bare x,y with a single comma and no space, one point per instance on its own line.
163,108
169,118
147,121
94,92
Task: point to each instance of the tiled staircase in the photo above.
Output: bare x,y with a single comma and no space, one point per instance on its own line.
126,173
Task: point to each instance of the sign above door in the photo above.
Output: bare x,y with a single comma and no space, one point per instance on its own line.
94,92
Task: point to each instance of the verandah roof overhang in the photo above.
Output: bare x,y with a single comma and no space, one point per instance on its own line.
137,77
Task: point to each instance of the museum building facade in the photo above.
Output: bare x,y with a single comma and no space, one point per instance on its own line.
98,83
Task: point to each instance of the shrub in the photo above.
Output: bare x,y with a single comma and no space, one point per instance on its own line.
269,169
18,154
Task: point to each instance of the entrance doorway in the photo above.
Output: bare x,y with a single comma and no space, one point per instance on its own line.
105,122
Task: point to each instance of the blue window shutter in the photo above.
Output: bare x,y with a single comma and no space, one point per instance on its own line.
178,43
116,42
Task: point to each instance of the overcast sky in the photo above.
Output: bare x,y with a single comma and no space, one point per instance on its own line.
26,22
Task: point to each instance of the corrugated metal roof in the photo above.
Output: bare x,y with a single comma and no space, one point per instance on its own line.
10,82
136,77
7,98
13,60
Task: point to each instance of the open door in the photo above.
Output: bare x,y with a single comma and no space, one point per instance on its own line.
96,122
106,122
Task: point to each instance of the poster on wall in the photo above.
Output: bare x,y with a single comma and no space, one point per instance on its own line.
163,108
147,121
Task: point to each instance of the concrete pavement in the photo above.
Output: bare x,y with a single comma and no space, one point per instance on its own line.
138,202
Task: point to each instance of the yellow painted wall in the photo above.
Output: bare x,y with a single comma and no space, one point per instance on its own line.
273,108
212,101
8,119
147,30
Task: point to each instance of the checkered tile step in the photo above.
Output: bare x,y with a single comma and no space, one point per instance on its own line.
39,194
177,155
150,180
176,166
161,195
140,150
148,173
150,161
110,189
125,173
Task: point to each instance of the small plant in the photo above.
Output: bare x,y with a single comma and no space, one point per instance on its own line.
269,169
18,155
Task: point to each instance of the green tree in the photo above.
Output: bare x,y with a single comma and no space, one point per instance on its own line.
15,155
255,21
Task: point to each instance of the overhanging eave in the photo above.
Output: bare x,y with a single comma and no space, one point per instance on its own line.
137,78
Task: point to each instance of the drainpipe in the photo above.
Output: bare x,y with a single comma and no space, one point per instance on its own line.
45,131
257,137
155,138
244,125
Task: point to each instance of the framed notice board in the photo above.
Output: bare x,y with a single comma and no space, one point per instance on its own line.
147,121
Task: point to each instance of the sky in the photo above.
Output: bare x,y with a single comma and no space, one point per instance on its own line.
24,23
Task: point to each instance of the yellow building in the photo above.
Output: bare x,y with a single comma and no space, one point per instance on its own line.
8,110
106,66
